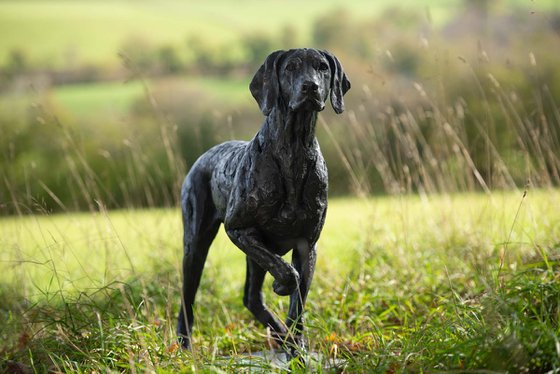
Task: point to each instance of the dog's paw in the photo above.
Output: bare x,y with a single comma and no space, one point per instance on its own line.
184,342
286,286
297,359
282,289
295,350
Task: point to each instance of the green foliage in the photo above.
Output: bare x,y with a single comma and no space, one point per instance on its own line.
258,47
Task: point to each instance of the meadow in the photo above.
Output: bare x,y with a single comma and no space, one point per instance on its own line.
441,249
403,283
114,99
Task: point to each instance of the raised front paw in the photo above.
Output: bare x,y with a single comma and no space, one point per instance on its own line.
288,284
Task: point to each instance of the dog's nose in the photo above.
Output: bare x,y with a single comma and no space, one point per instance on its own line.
309,86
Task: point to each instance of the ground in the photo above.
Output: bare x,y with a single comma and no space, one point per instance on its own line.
403,283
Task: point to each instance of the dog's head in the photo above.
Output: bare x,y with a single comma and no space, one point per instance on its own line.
300,78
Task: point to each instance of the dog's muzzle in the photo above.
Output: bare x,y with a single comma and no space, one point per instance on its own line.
309,98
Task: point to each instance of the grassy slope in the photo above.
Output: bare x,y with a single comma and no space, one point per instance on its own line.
396,277
58,32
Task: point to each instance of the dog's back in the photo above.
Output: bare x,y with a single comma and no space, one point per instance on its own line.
214,173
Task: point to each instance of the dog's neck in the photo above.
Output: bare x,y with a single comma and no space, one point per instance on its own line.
290,137
289,132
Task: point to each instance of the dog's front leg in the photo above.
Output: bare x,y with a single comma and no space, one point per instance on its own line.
249,240
253,300
303,259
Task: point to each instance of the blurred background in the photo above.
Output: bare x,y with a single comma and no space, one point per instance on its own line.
109,102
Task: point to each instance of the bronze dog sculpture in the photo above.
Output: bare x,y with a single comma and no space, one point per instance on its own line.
270,193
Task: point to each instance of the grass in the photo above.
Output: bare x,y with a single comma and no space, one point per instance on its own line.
404,283
107,99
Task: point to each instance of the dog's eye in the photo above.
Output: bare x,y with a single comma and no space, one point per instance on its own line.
323,66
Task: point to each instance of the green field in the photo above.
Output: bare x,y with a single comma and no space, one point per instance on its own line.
114,99
63,32
405,283
60,32
94,100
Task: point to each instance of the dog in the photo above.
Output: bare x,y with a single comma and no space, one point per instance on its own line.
270,193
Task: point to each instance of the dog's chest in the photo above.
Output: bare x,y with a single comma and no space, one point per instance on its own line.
291,194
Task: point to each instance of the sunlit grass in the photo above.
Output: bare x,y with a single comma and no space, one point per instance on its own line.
101,100
92,250
402,283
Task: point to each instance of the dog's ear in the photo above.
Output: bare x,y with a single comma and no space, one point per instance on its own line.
339,82
264,86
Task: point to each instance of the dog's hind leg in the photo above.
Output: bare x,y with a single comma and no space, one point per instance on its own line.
200,227
253,300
